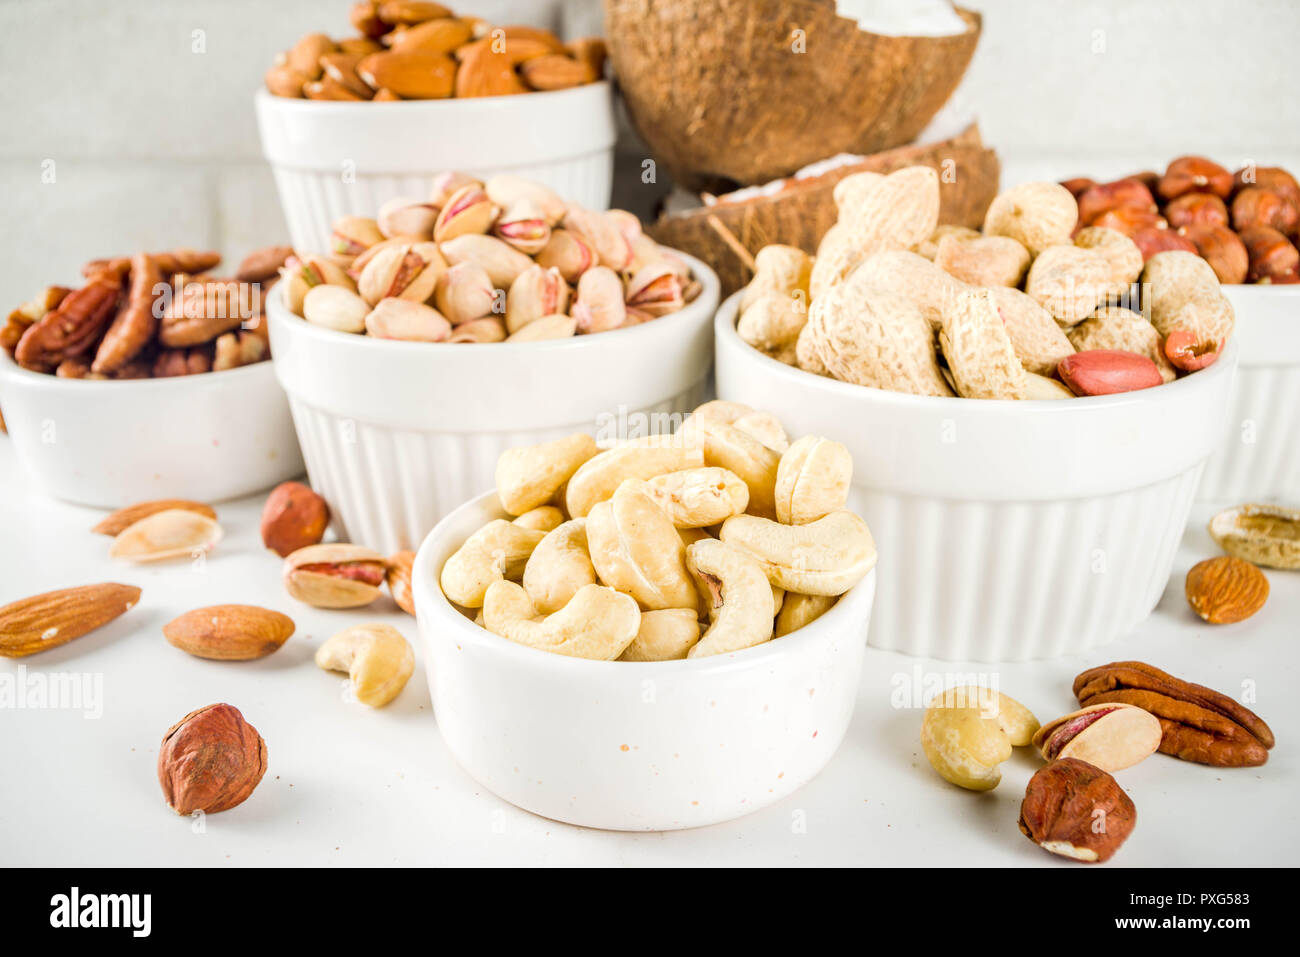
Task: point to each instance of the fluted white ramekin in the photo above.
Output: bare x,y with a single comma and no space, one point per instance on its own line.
347,159
635,746
396,434
1259,458
1007,530
208,437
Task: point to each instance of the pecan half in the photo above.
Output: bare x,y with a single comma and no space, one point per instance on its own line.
1197,723
174,362
200,311
69,330
178,260
136,323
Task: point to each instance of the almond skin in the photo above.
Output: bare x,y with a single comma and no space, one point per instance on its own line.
229,632
54,618
124,518
1226,589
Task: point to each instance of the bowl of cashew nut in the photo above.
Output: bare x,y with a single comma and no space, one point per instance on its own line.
663,633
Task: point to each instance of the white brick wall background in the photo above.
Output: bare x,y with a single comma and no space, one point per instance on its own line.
127,129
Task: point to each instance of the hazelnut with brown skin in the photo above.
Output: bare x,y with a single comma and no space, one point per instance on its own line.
1103,197
294,517
1197,209
1256,206
1273,258
1076,810
210,760
1194,174
1222,249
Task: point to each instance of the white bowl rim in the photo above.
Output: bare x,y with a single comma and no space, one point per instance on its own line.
725,326
447,104
688,313
746,659
28,377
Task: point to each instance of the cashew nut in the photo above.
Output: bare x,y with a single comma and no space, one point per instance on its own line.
544,518
739,597
529,477
598,622
968,731
692,535
825,557
498,550
694,498
559,566
666,634
726,446
597,478
635,549
376,657
765,427
800,610
812,480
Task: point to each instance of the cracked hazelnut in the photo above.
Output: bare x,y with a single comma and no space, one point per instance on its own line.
294,517
210,760
1076,810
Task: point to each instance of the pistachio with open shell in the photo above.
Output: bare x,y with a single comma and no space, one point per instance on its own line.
334,576
468,210
405,271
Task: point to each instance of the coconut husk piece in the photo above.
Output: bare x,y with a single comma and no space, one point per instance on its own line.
801,213
719,94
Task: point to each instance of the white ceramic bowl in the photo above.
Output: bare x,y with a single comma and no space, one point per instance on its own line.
635,746
347,159
1007,530
396,434
207,437
1259,458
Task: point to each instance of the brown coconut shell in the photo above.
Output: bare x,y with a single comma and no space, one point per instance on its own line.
718,93
801,213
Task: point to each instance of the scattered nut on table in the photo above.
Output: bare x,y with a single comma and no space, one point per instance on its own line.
211,760
968,731
613,552
377,659
1076,810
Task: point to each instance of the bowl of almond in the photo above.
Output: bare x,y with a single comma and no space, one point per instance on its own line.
148,380
1029,407
351,122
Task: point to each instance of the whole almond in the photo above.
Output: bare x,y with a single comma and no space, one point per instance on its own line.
229,632
305,55
124,518
414,75
1226,589
556,72
434,36
485,72
54,618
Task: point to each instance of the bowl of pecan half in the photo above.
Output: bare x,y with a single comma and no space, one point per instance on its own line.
149,380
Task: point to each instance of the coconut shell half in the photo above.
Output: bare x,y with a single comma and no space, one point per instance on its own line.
800,214
752,90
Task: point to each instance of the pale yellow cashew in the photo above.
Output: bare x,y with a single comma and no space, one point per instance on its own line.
558,567
694,498
498,550
825,557
666,634
376,657
544,518
765,427
739,597
597,479
801,610
692,535
778,599
726,446
812,480
598,622
635,549
968,731
529,477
